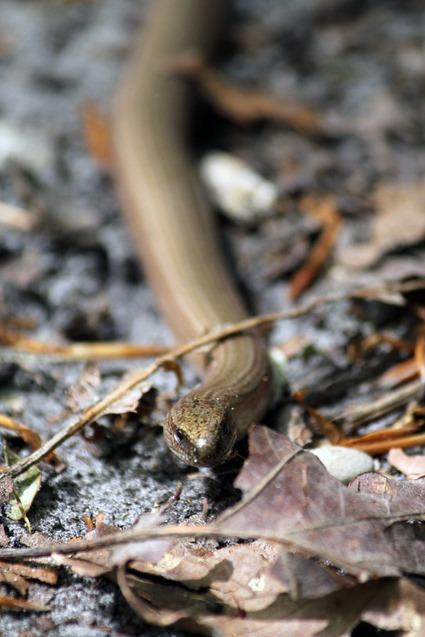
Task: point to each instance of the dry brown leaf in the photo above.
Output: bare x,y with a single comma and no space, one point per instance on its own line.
30,437
186,562
399,221
102,561
412,466
151,550
46,574
129,402
238,575
14,580
389,605
15,603
250,585
82,393
152,601
234,580
261,571
17,574
289,496
399,606
243,576
36,539
247,577
322,424
92,563
331,616
308,578
296,429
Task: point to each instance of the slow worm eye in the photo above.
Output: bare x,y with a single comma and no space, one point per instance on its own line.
178,436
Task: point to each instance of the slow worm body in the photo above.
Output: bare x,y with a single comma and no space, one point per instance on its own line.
174,232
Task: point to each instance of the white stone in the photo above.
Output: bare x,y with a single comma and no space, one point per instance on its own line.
236,189
343,463
26,145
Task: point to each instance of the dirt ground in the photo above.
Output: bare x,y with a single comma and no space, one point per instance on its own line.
360,65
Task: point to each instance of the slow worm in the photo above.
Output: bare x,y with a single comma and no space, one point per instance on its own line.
175,235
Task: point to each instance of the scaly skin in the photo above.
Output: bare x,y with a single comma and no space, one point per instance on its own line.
175,234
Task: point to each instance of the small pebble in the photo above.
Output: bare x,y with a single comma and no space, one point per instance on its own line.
342,463
236,189
26,145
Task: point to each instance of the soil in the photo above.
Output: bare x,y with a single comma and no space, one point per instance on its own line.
75,276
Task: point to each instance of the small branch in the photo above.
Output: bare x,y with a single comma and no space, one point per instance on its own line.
158,533
94,411
356,416
122,537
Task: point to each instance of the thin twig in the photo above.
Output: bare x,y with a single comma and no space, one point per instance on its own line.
325,211
358,415
94,411
58,352
379,448
124,537
159,533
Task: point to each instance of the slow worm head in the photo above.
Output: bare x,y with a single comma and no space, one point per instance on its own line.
175,234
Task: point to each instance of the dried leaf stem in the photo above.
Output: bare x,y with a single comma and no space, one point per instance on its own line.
125,537
77,351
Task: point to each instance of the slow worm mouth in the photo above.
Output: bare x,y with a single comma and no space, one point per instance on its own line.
191,459
182,459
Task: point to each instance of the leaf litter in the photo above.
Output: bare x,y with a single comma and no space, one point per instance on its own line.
399,222
306,571
301,552
350,535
